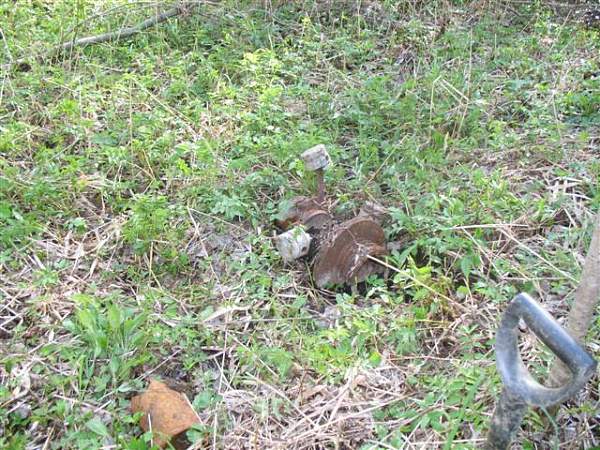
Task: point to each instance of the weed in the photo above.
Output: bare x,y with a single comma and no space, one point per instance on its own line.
139,180
111,334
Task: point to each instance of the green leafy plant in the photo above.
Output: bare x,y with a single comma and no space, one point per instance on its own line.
148,172
110,333
148,222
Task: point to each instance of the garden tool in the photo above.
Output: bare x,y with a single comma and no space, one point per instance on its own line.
520,389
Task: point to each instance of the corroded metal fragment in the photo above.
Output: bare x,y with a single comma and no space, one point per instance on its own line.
344,255
304,211
375,211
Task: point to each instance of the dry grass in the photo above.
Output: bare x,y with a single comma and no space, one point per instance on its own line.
211,321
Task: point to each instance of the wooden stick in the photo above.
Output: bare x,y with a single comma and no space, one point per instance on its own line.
118,35
122,33
584,306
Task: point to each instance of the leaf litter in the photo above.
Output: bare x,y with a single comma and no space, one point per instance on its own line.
167,413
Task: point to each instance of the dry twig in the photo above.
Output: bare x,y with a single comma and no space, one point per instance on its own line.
122,33
180,8
582,312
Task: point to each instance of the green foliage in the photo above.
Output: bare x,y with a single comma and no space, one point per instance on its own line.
146,173
110,333
270,360
148,222
15,228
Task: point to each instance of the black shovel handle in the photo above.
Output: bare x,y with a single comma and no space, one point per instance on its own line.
516,377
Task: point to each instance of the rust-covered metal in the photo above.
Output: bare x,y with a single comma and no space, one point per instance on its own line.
168,414
304,211
375,211
344,254
342,251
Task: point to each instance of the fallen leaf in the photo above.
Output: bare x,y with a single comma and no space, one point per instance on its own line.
167,413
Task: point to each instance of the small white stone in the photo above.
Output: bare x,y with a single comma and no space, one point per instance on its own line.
293,244
316,157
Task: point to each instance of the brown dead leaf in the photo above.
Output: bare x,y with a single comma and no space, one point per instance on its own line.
167,413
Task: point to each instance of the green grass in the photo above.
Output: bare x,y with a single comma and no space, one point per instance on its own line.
139,182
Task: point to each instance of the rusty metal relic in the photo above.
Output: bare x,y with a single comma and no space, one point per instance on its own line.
304,211
343,251
344,256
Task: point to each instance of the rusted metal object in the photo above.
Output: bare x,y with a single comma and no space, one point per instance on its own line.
375,211
343,256
343,251
304,211
316,159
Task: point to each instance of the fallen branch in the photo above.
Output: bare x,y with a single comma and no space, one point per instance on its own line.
114,36
584,306
123,33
